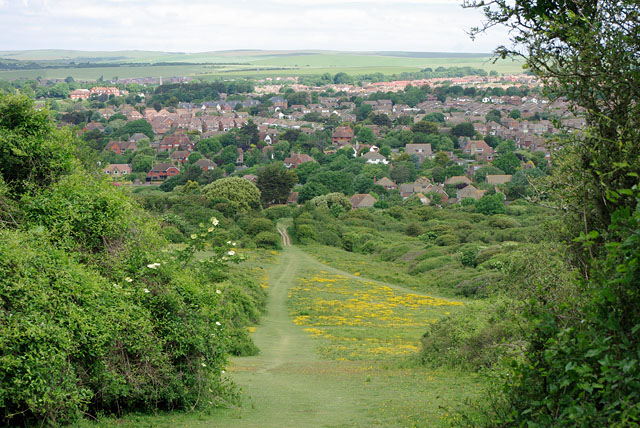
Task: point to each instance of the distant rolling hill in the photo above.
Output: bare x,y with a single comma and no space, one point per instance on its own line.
239,63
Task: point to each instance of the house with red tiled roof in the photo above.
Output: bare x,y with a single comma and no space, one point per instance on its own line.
342,135
162,171
478,148
297,159
119,147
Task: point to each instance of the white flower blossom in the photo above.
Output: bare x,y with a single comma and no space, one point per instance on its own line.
203,364
218,292
218,323
210,229
146,290
128,279
153,265
231,253
234,244
194,236
228,242
214,221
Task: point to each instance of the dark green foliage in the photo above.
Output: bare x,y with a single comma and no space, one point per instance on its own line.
507,162
32,152
413,229
463,130
473,338
257,225
468,257
491,204
275,183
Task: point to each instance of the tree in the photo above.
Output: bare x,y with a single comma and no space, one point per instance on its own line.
342,78
435,116
381,120
33,153
465,129
425,127
494,116
248,134
587,52
519,186
275,183
403,172
365,135
141,163
137,126
491,204
442,159
515,114
439,143
481,173
311,190
507,162
243,194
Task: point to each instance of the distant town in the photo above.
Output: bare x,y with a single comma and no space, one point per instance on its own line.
429,136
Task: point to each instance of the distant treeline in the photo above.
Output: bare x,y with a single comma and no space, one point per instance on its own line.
426,73
190,92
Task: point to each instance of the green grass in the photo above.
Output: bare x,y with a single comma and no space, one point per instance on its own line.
290,384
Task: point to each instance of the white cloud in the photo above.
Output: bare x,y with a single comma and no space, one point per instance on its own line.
198,25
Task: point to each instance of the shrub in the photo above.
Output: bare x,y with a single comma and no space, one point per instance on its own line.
503,222
468,256
257,225
413,229
276,212
472,338
172,234
267,240
242,194
447,240
77,342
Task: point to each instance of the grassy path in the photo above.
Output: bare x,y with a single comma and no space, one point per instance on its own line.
289,385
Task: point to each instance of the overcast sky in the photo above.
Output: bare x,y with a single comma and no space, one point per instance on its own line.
209,25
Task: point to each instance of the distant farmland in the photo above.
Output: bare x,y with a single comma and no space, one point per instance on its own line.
237,64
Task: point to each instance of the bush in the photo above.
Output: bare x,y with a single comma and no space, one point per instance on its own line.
468,256
173,235
76,342
503,222
430,264
267,240
473,338
447,240
276,212
242,194
413,229
257,225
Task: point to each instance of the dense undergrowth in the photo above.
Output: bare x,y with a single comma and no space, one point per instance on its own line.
99,314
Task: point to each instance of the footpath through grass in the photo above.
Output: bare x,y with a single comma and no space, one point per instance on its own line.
334,349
